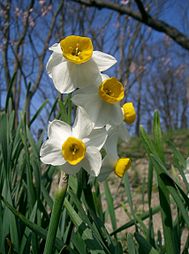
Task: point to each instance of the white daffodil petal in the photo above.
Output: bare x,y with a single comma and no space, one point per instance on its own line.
55,59
111,143
71,169
116,117
97,138
85,74
104,77
82,126
56,48
123,132
50,153
59,131
90,102
108,128
103,60
107,167
62,79
93,161
106,113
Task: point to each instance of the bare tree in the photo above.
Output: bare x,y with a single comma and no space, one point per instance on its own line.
142,16
113,30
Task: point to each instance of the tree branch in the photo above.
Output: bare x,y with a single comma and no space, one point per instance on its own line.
142,9
156,24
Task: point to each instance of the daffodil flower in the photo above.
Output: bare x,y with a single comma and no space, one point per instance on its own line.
73,63
102,101
129,112
112,163
74,147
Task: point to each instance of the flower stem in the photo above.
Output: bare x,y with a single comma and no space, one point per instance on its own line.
56,212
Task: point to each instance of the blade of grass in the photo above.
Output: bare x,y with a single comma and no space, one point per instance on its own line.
166,214
144,246
38,112
150,224
111,210
87,221
27,231
132,222
130,244
84,231
34,227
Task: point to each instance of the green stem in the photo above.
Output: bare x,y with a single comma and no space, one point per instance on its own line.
55,215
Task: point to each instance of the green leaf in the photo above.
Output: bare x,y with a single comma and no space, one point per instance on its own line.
132,222
128,194
110,204
150,186
158,135
34,227
27,232
79,244
30,185
98,233
170,245
9,221
149,146
144,246
9,96
38,112
130,244
85,232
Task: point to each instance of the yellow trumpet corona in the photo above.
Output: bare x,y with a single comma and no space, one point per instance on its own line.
111,90
77,49
73,150
122,165
129,112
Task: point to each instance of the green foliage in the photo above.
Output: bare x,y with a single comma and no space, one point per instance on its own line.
27,201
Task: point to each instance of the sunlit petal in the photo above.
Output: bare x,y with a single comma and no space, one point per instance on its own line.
82,126
50,153
103,60
59,130
62,79
93,161
56,48
97,138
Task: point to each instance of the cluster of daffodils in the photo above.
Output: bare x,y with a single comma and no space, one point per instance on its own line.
100,120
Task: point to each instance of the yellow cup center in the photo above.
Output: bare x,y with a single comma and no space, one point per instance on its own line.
111,91
73,150
77,49
129,113
122,165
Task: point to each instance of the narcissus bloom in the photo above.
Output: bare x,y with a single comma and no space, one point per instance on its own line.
74,147
129,112
102,101
114,134
73,63
112,163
